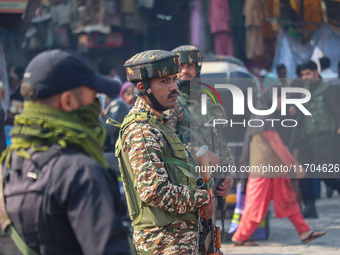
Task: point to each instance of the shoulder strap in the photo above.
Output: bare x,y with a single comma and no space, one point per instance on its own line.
186,171
185,167
134,117
128,120
113,122
6,223
176,161
42,160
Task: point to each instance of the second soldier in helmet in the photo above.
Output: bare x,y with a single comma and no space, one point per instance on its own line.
189,127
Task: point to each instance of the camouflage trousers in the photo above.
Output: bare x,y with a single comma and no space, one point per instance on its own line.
176,238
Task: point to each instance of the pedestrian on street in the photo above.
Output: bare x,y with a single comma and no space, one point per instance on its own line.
326,72
56,193
162,197
317,132
264,147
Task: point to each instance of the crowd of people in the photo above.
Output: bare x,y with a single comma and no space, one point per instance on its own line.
77,132
316,139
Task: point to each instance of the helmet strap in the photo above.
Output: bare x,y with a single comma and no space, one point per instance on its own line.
147,91
155,103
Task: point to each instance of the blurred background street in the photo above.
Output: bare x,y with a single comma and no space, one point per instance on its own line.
250,44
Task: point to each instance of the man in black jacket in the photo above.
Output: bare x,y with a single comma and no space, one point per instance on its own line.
58,194
317,132
115,108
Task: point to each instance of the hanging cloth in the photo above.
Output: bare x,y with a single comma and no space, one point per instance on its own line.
219,16
254,17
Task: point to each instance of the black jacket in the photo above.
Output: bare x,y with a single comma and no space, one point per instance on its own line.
81,210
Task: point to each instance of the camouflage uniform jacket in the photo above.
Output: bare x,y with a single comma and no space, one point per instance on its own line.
189,125
143,143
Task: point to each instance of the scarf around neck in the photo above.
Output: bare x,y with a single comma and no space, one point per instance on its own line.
40,126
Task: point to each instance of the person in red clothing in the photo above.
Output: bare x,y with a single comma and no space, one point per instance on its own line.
266,148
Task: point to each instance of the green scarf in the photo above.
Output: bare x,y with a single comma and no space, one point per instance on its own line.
40,126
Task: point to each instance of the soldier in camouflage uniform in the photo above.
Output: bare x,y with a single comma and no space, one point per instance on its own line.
162,198
184,112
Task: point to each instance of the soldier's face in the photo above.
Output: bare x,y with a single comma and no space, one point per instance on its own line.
188,71
165,90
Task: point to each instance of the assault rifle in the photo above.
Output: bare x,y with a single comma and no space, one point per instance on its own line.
209,234
221,203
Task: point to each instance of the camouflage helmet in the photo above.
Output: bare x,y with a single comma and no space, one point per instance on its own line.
151,64
188,54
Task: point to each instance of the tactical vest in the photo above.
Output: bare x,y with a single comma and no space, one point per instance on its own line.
320,120
183,129
177,165
183,101
184,132
32,231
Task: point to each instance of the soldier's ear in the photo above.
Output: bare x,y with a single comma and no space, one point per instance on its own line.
140,85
